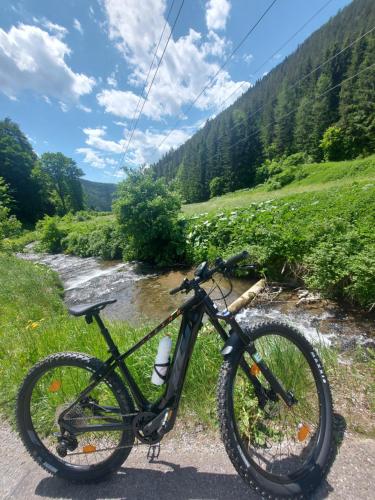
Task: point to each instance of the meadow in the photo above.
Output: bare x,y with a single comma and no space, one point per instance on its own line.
313,177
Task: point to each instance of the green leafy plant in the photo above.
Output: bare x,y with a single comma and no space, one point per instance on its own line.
50,235
148,216
334,144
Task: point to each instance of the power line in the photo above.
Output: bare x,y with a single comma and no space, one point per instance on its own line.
153,78
278,50
295,109
309,74
145,82
212,79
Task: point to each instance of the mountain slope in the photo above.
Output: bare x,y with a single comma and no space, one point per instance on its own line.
98,195
276,117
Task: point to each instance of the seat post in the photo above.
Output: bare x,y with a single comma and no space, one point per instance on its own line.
112,346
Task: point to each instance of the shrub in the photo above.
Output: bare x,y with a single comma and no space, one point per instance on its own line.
333,144
279,173
147,213
106,242
50,235
218,186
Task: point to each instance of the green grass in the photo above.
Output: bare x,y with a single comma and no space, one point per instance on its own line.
319,177
34,323
323,239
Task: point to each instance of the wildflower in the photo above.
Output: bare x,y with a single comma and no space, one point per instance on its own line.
33,325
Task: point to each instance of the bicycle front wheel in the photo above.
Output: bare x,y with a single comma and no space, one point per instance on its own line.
51,388
280,451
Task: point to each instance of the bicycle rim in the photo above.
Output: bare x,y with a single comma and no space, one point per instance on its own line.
280,441
52,393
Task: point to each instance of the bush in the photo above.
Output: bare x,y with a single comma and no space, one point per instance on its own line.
106,242
50,235
218,186
147,213
279,173
334,144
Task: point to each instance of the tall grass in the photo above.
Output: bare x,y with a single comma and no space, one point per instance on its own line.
34,323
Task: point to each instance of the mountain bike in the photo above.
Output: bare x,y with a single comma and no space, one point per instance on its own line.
79,417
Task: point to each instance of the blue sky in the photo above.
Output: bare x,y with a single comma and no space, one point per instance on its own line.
71,72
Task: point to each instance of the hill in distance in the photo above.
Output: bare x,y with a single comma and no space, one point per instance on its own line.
98,195
327,82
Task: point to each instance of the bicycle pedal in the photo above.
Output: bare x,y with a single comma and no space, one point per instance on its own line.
153,452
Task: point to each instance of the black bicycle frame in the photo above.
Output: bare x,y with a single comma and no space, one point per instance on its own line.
165,408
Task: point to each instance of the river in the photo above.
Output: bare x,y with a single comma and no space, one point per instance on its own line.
143,298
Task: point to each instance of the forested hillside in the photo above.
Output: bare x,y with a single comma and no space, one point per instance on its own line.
98,195
319,101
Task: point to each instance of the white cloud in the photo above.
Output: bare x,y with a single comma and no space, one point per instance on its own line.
248,58
111,81
31,58
64,108
95,138
118,173
58,30
95,159
217,14
86,109
215,46
118,102
143,148
77,25
186,68
123,104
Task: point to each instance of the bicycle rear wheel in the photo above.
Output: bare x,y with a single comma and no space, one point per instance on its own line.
280,451
48,390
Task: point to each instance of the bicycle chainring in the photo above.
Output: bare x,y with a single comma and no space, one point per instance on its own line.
139,421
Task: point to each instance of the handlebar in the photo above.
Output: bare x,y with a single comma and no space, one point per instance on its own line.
179,288
232,261
221,266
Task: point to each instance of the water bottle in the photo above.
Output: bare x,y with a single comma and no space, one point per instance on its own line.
161,361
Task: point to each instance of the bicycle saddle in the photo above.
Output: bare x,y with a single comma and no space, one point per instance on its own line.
83,309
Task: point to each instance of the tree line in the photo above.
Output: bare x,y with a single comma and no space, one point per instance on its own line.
319,117
36,186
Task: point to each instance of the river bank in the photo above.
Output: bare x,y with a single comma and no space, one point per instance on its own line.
34,323
142,297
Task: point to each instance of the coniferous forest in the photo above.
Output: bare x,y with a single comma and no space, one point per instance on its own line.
319,102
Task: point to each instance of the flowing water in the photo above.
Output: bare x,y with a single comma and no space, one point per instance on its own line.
142,297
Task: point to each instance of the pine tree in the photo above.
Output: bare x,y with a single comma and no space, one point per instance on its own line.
321,114
303,126
357,101
284,116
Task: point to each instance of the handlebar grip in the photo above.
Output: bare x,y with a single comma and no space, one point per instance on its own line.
236,258
175,290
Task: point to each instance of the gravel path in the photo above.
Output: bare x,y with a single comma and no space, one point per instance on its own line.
188,468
